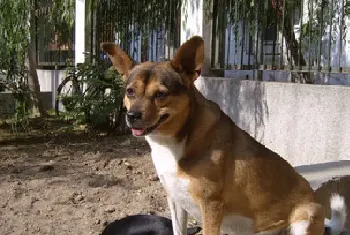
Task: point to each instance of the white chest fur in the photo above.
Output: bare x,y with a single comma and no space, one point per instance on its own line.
166,153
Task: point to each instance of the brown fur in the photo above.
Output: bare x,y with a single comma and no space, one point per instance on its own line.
230,173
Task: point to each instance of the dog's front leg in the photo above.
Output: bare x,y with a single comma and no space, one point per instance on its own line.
178,217
212,216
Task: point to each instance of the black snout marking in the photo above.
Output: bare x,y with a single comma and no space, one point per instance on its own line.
134,116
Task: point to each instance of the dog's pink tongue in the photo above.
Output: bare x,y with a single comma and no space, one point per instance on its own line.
137,132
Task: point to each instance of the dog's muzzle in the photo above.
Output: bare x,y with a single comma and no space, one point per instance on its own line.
134,121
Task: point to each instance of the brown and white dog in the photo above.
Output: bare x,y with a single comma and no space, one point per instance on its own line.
209,167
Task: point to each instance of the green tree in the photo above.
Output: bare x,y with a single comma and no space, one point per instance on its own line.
280,14
144,16
17,44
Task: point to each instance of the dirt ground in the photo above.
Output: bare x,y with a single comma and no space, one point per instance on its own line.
75,184
57,182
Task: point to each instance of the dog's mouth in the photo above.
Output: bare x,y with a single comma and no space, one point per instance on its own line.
148,130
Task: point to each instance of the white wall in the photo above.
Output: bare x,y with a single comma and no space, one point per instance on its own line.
305,124
49,81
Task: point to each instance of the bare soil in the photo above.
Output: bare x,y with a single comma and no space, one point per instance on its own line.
73,183
57,180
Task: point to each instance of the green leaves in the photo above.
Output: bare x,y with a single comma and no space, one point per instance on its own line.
14,31
17,26
100,103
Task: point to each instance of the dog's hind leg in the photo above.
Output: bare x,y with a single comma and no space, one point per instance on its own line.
178,218
307,219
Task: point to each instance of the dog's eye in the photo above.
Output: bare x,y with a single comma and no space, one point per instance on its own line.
130,92
160,94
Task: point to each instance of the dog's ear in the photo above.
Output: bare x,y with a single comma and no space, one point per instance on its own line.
189,57
119,58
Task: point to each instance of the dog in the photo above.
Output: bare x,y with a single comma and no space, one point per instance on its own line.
209,167
143,225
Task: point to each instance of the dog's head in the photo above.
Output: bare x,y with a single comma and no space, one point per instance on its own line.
158,94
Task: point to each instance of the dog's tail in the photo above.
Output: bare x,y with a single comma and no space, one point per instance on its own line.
338,210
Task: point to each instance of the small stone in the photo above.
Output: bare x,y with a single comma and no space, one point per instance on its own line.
128,166
46,168
192,222
140,139
98,221
123,214
125,143
88,155
62,153
78,153
33,199
16,170
110,209
46,154
153,178
18,183
105,163
116,162
79,198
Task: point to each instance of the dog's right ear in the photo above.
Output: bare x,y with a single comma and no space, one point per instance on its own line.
119,58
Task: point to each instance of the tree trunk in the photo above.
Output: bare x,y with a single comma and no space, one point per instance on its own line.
33,83
37,108
293,45
289,35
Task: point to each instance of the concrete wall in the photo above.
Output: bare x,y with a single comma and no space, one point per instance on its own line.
8,105
305,124
285,76
49,80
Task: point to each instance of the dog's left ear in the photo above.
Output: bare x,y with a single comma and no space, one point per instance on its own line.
189,57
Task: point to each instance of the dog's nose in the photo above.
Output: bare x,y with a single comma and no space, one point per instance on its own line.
133,116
